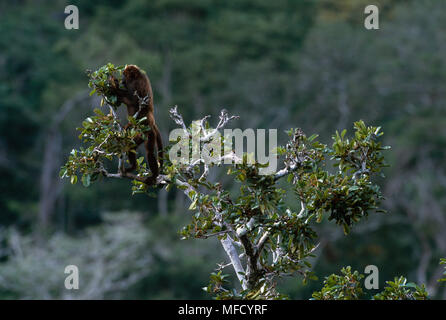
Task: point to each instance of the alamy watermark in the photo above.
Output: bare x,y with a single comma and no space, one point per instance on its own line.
372,280
72,20
72,280
371,22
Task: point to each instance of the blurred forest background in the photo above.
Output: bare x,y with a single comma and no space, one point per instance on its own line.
277,64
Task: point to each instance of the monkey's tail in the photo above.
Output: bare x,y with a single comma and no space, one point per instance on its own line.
159,145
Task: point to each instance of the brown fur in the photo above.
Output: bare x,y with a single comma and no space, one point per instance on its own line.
137,86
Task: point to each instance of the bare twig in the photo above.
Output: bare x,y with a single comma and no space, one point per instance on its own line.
224,119
178,118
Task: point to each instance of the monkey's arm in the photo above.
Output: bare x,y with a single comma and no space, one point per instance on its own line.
123,96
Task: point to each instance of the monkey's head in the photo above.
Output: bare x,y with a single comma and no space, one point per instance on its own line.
132,72
135,79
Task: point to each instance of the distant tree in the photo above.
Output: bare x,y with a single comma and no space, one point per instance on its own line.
114,257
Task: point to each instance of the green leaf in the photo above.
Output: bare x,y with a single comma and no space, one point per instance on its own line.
193,205
73,179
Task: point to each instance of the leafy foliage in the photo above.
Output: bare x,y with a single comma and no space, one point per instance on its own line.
106,140
348,286
347,195
100,82
400,289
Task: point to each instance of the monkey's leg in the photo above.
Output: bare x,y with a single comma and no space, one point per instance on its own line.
151,157
132,155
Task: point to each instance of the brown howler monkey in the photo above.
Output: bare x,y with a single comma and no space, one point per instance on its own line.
138,97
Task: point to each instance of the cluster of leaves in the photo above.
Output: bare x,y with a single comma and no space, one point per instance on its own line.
348,286
400,289
349,194
101,84
106,139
